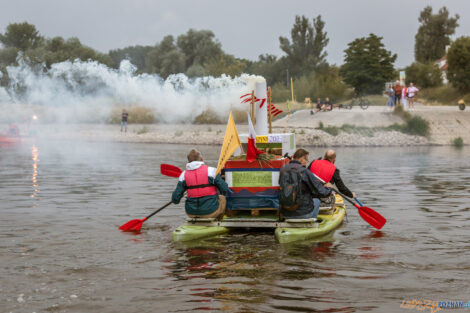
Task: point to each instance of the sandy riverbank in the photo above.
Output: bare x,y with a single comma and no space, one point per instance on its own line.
446,123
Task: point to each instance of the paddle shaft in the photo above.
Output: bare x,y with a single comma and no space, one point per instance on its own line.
344,197
357,200
158,211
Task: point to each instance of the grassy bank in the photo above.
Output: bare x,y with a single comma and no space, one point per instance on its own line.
413,125
442,95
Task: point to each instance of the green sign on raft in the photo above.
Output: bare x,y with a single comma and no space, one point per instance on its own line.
252,179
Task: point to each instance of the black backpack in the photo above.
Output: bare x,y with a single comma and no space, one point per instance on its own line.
290,191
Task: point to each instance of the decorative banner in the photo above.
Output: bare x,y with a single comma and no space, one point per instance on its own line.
252,179
231,143
246,178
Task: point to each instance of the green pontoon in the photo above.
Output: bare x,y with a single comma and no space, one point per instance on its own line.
285,230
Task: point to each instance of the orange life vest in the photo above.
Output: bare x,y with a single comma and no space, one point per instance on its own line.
197,182
323,170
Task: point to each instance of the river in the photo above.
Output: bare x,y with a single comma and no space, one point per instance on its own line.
61,250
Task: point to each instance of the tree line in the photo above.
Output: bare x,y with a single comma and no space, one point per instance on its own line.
367,63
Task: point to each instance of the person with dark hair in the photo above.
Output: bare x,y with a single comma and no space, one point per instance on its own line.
326,171
299,189
318,105
397,90
206,189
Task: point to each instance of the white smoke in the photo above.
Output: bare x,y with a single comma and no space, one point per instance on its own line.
87,92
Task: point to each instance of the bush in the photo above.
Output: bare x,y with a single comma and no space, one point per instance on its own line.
332,130
399,111
240,116
208,117
457,142
137,115
445,94
417,125
414,125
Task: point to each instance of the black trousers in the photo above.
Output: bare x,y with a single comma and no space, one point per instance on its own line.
397,98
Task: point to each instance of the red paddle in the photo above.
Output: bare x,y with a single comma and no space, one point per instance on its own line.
370,216
170,170
136,224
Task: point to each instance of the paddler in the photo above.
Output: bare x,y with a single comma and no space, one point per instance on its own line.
294,180
326,171
206,190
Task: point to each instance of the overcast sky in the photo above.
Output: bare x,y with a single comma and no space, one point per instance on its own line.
245,28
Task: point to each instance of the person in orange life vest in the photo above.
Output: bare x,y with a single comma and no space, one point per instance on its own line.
326,171
206,190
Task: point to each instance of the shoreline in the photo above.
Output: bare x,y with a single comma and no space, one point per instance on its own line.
446,123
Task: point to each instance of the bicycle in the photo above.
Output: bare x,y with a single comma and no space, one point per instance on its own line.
357,100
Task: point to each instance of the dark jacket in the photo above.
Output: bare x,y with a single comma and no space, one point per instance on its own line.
311,188
203,205
338,182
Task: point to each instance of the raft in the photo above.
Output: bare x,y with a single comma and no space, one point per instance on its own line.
286,231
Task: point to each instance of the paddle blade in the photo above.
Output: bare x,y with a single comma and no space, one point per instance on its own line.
170,170
133,225
372,217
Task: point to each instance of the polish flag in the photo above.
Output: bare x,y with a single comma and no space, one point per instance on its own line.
251,151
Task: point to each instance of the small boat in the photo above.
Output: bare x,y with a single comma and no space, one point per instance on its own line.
286,231
12,135
325,224
9,139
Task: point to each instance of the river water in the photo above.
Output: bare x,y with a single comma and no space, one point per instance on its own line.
61,250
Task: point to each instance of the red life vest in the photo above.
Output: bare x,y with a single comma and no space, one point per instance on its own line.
323,170
197,182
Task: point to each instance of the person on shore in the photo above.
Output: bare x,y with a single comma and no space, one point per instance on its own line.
318,105
391,97
327,106
412,91
300,191
326,171
124,116
404,96
397,90
206,189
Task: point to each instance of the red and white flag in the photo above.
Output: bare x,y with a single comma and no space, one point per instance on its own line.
274,110
251,151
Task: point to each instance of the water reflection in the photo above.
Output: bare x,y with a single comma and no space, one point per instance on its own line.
34,178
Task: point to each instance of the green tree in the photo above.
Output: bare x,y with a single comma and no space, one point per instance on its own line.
434,34
424,75
58,50
196,70
307,49
225,64
367,65
458,58
199,47
8,56
270,67
22,36
135,54
165,58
